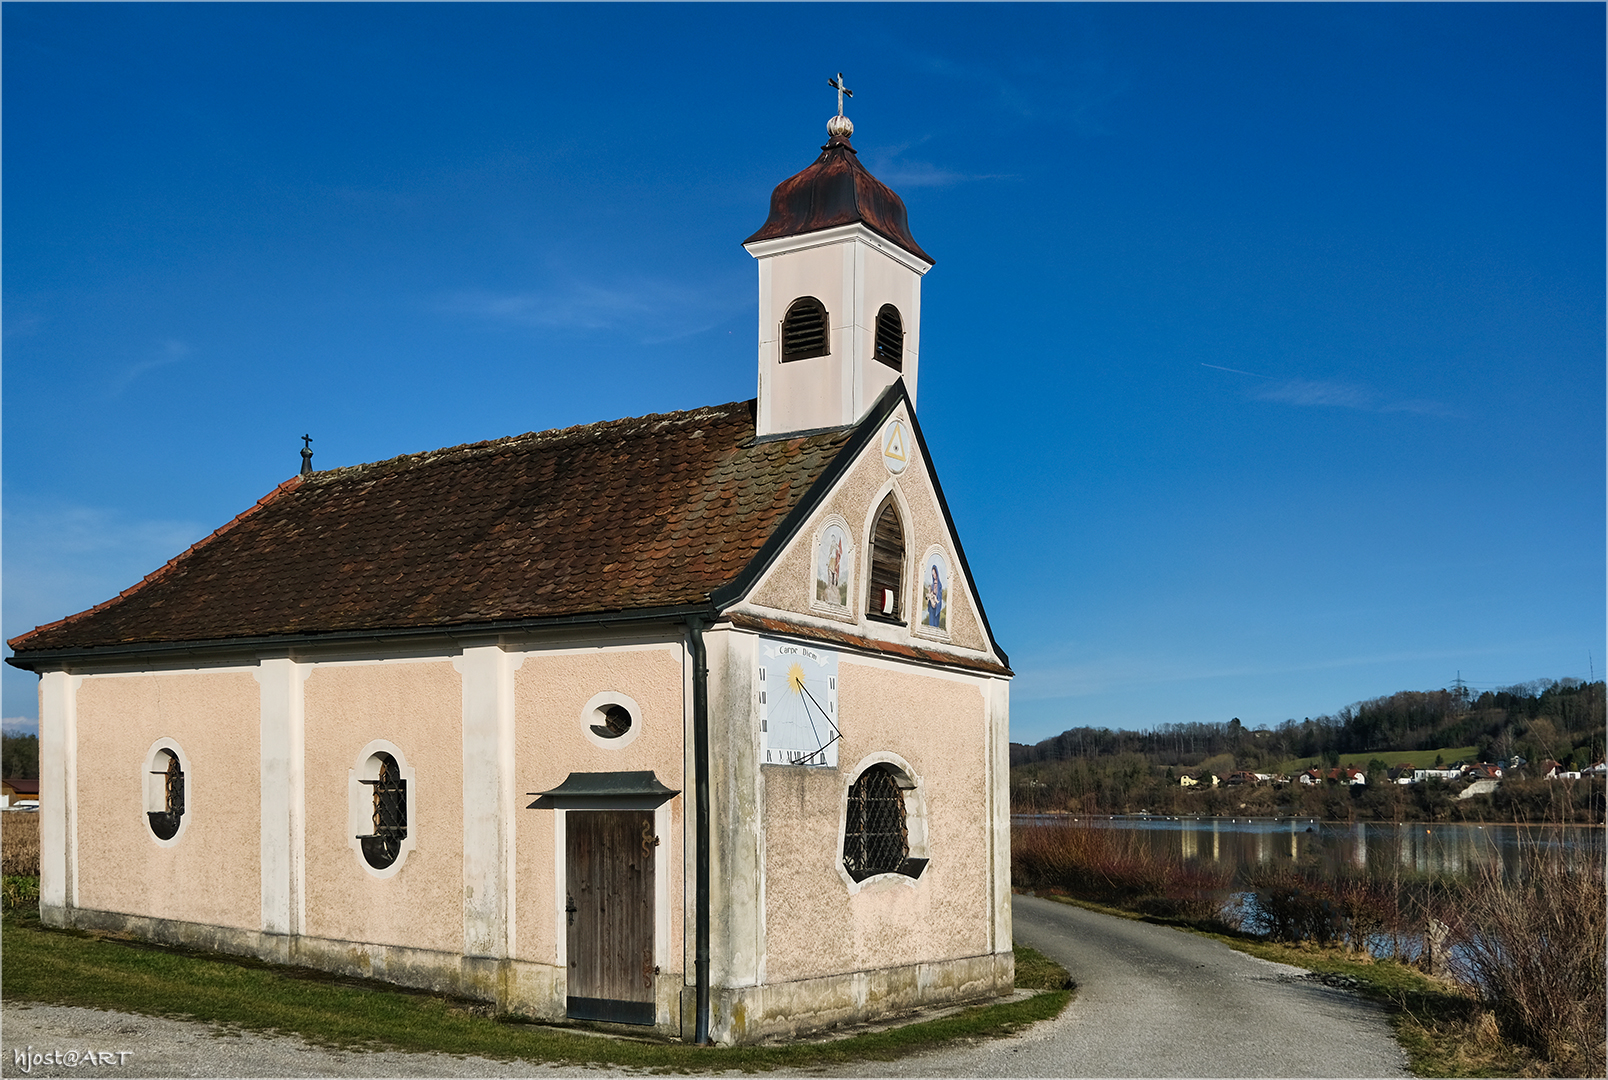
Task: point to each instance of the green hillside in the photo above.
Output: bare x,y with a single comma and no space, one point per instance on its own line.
1418,759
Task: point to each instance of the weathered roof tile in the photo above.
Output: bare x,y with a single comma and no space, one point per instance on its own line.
651,512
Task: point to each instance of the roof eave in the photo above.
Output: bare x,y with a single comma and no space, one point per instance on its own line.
214,650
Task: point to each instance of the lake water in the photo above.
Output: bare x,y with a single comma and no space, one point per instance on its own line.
1379,847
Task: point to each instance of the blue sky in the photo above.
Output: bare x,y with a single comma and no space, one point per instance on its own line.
1262,361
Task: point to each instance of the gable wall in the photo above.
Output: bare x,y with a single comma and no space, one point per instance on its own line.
211,875
789,583
816,923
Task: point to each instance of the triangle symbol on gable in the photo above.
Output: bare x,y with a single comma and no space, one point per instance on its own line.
895,447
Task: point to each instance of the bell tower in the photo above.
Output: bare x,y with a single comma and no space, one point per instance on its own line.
839,292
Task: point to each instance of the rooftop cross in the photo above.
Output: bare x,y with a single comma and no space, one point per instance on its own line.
307,442
843,91
840,125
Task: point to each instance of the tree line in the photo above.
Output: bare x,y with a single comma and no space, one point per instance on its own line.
1113,771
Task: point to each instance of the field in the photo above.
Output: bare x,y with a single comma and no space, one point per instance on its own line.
1420,759
19,844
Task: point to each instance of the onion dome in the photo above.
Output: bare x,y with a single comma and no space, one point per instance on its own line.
837,190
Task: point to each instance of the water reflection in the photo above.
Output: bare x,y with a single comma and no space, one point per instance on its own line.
1416,848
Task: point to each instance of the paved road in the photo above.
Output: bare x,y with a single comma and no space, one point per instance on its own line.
1151,1002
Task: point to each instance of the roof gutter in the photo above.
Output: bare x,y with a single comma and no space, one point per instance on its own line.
50,659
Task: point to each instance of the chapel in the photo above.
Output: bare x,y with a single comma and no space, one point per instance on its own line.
691,721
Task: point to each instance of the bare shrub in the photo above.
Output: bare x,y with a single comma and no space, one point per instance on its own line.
1291,906
19,844
1533,947
1116,866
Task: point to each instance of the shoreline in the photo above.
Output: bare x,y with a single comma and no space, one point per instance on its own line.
1249,818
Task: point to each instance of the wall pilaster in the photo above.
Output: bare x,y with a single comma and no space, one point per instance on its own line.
488,800
283,729
58,795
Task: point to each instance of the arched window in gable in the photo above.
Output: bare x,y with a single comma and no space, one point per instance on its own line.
804,330
886,597
890,338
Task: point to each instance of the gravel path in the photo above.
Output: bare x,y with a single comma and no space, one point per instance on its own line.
156,1047
1151,1002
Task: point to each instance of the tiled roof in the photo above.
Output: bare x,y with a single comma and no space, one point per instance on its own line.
623,515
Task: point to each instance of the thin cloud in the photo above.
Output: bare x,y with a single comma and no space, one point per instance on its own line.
1105,675
1323,393
62,559
19,725
650,310
890,166
1303,392
169,351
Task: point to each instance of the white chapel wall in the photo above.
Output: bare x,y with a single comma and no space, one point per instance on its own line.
211,874
815,925
418,706
551,688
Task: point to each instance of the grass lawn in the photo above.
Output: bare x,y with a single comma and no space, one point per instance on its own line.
1418,759
103,971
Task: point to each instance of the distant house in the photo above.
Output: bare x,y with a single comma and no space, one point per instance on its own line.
1483,771
1187,781
1420,775
1599,769
13,792
1241,777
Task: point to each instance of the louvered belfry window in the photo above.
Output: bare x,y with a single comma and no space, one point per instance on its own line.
165,822
886,599
804,330
382,846
890,338
876,838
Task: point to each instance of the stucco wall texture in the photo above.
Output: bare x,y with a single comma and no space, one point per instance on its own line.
789,584
813,926
550,690
419,707
212,874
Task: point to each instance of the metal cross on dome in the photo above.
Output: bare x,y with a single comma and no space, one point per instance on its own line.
843,91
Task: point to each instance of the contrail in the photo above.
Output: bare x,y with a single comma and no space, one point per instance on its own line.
1236,371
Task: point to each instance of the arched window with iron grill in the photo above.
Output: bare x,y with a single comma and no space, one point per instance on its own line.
876,838
384,844
890,338
886,597
804,330
165,822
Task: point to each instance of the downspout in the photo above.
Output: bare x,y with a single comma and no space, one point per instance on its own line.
700,753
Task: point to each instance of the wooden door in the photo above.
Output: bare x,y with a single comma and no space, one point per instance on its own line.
610,915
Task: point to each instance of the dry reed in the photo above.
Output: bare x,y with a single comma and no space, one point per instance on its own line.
1533,946
19,844
1116,866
